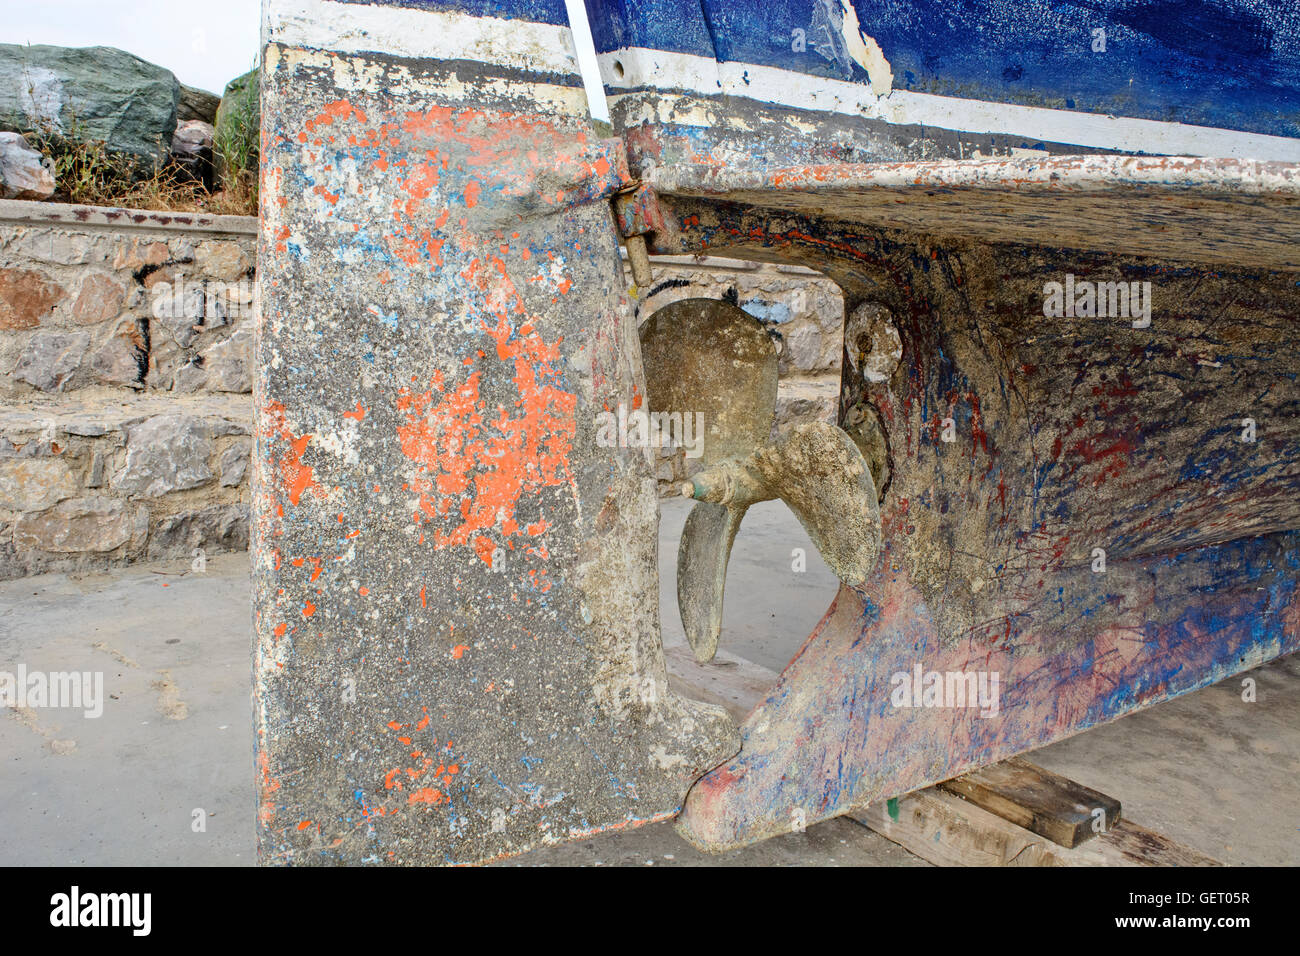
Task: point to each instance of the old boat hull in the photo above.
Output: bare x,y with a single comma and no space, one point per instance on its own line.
458,655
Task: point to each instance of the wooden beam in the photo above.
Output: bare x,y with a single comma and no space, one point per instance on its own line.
1043,802
946,830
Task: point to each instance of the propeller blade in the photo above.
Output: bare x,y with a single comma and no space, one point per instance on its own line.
713,358
702,573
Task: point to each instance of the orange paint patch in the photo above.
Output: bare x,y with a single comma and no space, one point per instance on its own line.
459,650
475,462
266,807
291,475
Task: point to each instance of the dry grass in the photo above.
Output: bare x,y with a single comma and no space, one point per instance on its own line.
161,191
86,172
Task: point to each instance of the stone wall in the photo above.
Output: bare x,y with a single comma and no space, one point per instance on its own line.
124,371
125,344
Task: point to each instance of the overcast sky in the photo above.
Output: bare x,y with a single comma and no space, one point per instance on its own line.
205,44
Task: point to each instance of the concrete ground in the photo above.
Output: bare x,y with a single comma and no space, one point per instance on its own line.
174,745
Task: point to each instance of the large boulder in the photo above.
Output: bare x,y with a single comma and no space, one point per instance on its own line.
237,128
192,150
89,93
196,104
24,172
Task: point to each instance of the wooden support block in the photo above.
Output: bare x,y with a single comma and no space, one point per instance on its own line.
946,830
1046,803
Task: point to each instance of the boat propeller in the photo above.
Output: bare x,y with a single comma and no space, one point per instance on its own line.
711,357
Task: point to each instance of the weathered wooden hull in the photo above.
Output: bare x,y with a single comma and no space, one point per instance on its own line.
1089,507
1069,436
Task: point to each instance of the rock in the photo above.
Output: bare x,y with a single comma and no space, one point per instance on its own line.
221,259
135,256
196,104
34,484
91,93
61,248
238,121
85,428
179,307
26,297
228,363
799,401
24,172
234,463
99,299
191,376
123,359
192,151
221,427
220,528
171,274
51,359
76,525
808,349
96,477
192,136
166,453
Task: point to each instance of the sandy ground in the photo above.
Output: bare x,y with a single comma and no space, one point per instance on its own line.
1208,770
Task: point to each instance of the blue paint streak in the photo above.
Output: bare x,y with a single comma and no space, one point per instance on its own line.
1214,63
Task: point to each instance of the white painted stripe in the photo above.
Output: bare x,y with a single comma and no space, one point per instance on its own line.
496,91
410,32
640,67
1086,129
